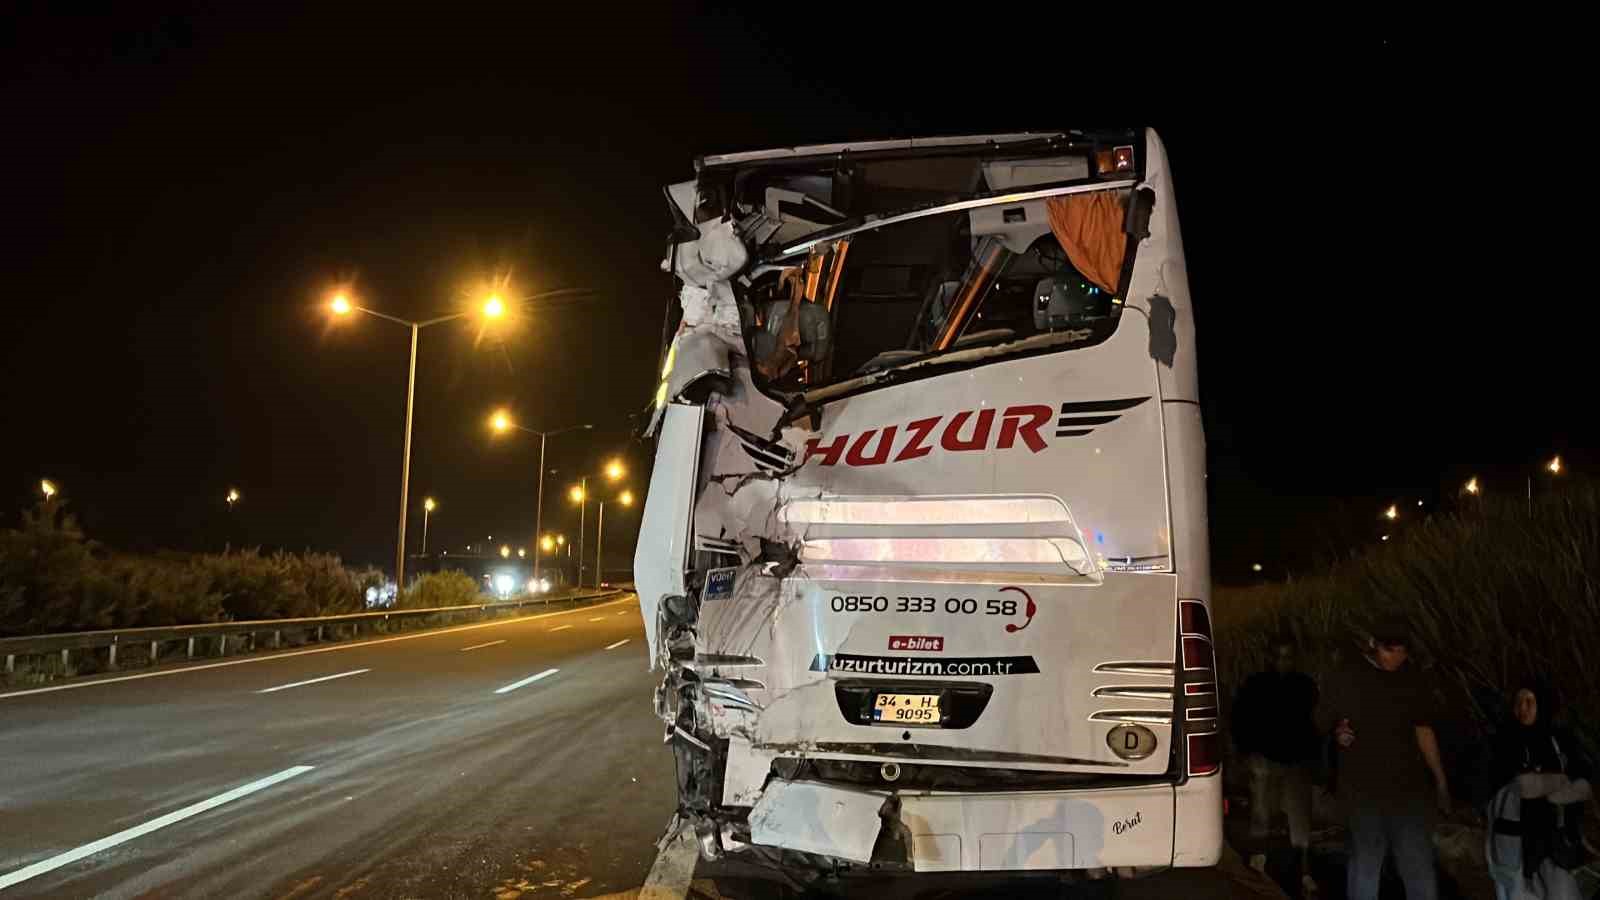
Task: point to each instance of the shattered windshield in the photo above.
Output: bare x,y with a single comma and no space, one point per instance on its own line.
883,298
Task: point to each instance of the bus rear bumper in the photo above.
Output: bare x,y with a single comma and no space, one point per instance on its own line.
1136,827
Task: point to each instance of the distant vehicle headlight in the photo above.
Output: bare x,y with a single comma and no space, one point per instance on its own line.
504,583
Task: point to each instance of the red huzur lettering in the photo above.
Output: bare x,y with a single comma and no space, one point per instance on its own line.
875,446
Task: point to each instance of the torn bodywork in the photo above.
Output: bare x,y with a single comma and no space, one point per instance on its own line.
879,567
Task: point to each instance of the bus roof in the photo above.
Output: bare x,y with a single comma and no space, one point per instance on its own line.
823,150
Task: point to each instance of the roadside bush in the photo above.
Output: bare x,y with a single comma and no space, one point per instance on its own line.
1495,594
53,579
437,589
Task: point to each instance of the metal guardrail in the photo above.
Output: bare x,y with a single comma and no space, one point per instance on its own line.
65,643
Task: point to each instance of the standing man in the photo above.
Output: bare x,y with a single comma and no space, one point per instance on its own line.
1274,730
1391,783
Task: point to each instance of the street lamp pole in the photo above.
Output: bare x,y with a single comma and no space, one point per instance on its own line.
427,510
501,421
600,545
583,507
493,308
405,466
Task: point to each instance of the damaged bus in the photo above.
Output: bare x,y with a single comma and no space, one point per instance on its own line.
924,562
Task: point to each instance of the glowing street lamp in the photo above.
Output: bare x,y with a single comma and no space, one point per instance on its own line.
47,487
626,499
576,494
547,544
341,305
501,422
505,552
1255,567
233,497
428,506
522,553
1554,466
1471,486
1392,513
614,470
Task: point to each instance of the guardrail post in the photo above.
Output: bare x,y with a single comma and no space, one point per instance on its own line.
155,648
319,634
64,662
222,645
112,661
277,639
11,663
191,648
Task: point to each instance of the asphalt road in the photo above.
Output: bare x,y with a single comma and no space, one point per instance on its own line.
513,759
428,778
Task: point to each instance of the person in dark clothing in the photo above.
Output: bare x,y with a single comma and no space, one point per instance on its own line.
1274,732
1542,778
1381,711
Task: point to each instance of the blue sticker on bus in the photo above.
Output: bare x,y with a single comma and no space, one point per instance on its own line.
719,584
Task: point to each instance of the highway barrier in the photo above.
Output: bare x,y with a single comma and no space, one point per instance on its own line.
80,652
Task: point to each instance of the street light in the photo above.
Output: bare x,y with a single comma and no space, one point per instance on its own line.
1392,513
341,305
428,507
505,552
501,422
1554,466
626,499
522,553
1471,486
47,487
547,544
1255,567
579,494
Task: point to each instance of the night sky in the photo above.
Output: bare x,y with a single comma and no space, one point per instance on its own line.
1375,229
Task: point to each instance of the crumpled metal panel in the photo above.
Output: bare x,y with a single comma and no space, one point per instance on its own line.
817,818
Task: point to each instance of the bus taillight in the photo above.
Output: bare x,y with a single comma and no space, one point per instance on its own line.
1198,702
1205,754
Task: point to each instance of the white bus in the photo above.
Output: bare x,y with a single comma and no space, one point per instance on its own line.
924,561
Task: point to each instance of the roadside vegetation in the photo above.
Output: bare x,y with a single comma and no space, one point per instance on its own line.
1495,592
53,578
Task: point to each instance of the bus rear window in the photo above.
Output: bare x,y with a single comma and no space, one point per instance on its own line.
906,292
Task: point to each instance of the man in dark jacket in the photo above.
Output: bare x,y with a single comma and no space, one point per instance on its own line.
1274,732
1381,711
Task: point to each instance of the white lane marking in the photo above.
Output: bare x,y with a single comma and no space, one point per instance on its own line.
285,687
673,869
561,628
618,644
72,856
256,659
481,646
623,613
526,681
598,619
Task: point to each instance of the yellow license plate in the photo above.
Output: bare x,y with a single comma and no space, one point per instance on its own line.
907,709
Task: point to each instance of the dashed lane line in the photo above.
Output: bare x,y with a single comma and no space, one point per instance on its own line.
285,687
526,681
71,856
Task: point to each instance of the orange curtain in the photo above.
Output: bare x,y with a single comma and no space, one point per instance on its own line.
1089,227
